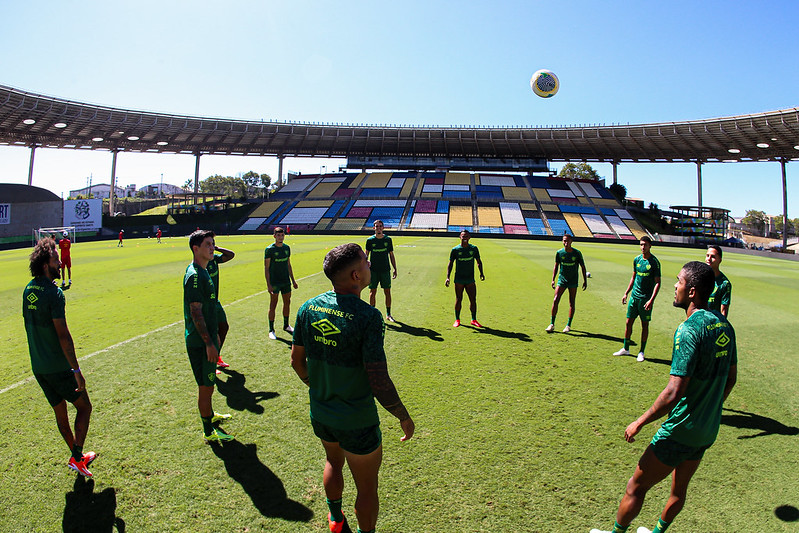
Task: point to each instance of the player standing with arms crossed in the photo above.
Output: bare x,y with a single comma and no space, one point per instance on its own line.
279,279
380,250
703,372
567,259
53,360
338,352
645,285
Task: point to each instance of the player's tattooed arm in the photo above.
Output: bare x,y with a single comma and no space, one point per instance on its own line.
196,309
385,391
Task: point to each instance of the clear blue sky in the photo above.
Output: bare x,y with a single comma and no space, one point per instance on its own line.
411,62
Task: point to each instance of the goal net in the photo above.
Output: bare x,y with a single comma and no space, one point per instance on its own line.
56,232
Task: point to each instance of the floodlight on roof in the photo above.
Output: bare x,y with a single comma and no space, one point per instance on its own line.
59,125
734,151
97,139
29,121
796,147
762,145
133,138
162,143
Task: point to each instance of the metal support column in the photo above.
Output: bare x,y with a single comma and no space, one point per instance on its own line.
280,171
112,192
784,207
196,176
615,171
30,168
699,184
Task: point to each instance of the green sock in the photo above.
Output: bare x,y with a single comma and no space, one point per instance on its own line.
335,509
271,325
569,323
553,320
285,321
457,315
474,314
77,452
643,345
362,531
388,310
208,427
626,344
661,527
618,528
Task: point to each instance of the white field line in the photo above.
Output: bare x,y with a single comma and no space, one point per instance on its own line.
137,337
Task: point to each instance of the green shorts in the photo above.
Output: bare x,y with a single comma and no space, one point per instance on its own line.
567,284
59,386
203,369
672,453
635,309
361,441
464,281
382,278
221,316
282,288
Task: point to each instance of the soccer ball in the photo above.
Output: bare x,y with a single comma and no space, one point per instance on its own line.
587,274
544,83
65,233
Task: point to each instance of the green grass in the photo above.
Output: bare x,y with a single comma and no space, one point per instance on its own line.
517,430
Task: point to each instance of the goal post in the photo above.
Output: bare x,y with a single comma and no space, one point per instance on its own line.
58,231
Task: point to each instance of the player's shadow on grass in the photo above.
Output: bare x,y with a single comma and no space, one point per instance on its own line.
524,337
787,513
765,425
261,484
86,510
600,336
239,397
402,327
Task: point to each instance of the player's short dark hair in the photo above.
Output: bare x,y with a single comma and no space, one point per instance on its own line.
715,247
278,229
466,231
646,238
41,255
376,221
198,236
340,258
569,235
701,277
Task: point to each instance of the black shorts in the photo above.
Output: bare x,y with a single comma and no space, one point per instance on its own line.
361,441
59,386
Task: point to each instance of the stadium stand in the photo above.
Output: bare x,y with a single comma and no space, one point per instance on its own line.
447,201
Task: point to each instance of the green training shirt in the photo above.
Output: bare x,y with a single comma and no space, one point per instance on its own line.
42,302
722,293
646,270
340,332
279,263
569,263
379,256
213,270
198,287
704,350
464,258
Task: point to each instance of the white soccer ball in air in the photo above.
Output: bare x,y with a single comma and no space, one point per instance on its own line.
544,83
64,233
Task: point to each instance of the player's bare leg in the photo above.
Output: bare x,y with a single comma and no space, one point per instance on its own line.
364,470
648,472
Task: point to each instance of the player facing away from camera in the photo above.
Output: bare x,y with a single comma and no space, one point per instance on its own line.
52,352
463,257
380,250
703,372
279,279
223,256
201,333
158,235
121,235
645,285
338,352
567,259
722,292
65,246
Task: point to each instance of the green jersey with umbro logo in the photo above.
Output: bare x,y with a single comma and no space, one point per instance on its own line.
198,287
569,263
42,302
379,250
464,257
704,350
646,271
722,293
340,333
278,263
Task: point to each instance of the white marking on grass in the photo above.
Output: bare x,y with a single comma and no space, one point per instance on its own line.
137,337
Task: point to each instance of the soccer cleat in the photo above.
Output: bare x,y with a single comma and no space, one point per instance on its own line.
79,467
218,372
642,529
272,335
550,328
219,417
567,329
390,318
640,357
476,324
623,351
288,329
457,323
88,457
595,530
218,436
221,363
335,527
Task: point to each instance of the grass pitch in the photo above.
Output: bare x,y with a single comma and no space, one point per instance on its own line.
517,430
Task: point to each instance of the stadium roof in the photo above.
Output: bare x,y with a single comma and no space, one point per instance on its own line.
28,119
